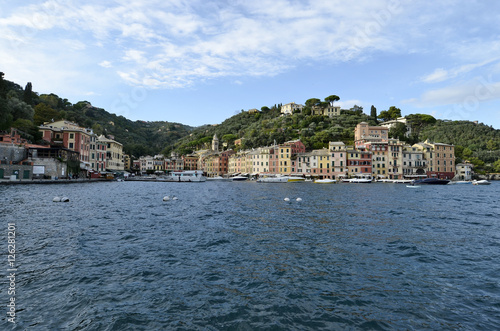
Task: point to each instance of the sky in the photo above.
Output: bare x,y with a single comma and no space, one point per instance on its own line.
201,61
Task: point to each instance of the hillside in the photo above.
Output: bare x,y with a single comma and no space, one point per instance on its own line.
25,110
267,127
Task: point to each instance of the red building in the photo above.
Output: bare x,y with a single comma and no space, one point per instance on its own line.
359,162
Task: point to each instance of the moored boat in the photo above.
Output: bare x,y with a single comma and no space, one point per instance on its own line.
325,181
361,179
194,176
481,182
296,179
239,178
431,181
215,178
273,179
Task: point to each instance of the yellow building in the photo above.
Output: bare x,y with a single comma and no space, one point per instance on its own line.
285,160
114,154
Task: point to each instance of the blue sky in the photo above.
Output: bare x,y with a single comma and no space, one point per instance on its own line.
201,61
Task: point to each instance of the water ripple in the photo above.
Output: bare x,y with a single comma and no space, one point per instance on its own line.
228,256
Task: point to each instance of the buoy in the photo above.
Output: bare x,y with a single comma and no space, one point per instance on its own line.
174,198
166,198
286,199
56,199
299,199
64,199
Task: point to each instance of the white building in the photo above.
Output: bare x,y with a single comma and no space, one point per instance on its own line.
289,108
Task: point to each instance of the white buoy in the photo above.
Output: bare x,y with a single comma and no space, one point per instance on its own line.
64,199
166,198
174,198
56,199
286,199
299,199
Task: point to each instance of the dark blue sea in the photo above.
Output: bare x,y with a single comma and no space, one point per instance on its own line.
236,256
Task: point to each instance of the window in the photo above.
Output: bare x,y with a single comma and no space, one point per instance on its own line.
70,145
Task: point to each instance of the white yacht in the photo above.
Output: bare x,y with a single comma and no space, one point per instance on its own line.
186,176
273,179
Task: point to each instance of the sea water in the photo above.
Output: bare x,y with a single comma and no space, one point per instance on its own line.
236,256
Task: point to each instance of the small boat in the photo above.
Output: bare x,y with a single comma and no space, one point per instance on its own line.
412,186
273,179
432,181
462,182
403,181
481,182
186,176
296,179
365,179
239,178
215,178
325,181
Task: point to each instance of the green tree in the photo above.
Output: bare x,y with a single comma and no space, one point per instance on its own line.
5,115
357,110
373,113
2,86
313,102
467,153
28,94
50,99
398,131
496,166
391,114
491,145
20,109
331,99
45,113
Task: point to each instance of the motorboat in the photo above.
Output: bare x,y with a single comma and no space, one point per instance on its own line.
325,181
361,179
273,179
481,182
215,178
239,178
186,176
431,181
296,179
403,181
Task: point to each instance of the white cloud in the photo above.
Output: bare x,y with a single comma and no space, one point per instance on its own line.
479,90
189,42
105,64
438,75
178,43
441,74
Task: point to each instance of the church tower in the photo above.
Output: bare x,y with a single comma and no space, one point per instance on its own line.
215,143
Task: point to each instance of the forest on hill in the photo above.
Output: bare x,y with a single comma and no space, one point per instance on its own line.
26,110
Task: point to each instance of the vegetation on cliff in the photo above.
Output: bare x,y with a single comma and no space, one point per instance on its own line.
25,109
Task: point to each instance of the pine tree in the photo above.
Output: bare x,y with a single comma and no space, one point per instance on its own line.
373,113
2,86
27,97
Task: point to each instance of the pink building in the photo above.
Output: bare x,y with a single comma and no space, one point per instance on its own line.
359,162
338,152
70,136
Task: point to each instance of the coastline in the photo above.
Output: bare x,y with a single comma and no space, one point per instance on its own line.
50,181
